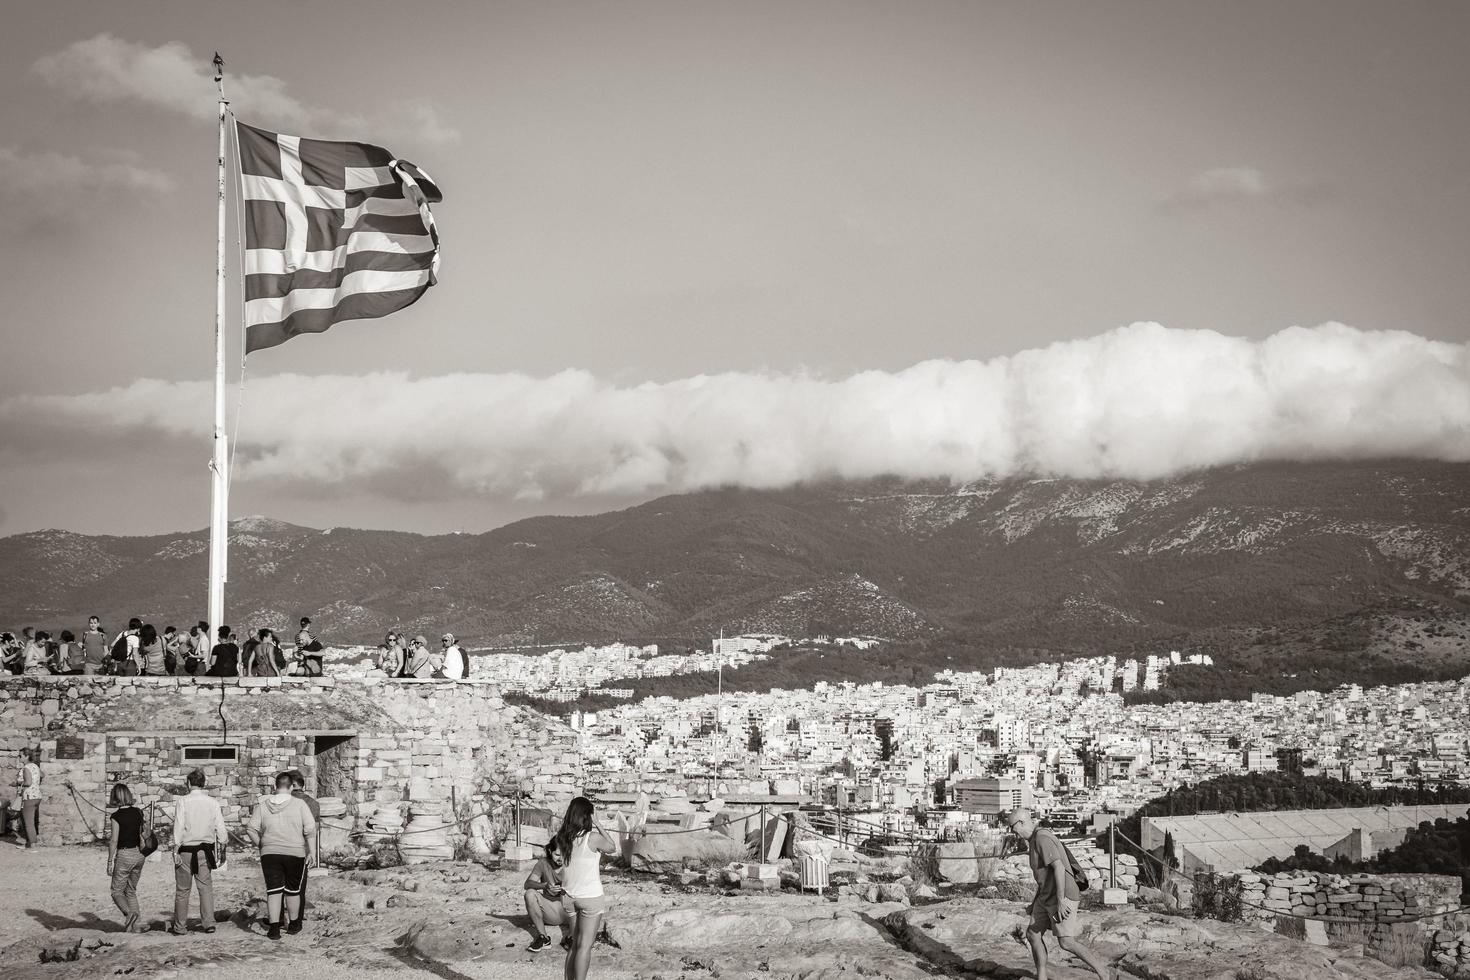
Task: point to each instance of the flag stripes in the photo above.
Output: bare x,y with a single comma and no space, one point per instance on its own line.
333,231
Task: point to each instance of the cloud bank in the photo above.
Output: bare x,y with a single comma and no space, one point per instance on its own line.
1221,186
48,173
107,69
1140,402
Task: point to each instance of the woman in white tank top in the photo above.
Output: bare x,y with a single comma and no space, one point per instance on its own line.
581,843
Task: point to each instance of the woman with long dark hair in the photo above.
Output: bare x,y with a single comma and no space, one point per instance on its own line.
581,844
150,650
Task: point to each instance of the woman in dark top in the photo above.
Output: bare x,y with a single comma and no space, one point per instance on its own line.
124,860
224,659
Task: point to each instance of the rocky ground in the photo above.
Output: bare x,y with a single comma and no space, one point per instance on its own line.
465,922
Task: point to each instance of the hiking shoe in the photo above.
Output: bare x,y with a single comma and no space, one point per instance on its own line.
275,931
541,942
293,927
566,942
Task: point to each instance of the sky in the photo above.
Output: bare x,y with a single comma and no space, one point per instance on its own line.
690,245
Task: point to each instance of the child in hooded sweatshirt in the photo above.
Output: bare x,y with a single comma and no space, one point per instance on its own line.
283,828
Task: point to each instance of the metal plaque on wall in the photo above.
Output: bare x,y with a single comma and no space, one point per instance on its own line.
69,747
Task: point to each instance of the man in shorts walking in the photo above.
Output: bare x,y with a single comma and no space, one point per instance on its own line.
1055,908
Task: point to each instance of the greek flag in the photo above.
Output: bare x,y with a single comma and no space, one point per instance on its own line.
333,231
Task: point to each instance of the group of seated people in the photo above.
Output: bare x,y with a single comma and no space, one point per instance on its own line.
402,656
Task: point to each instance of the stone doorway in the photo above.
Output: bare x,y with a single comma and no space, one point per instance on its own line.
336,762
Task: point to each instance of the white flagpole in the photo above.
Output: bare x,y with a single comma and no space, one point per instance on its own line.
219,467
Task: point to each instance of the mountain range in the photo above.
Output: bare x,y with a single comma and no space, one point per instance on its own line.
1045,563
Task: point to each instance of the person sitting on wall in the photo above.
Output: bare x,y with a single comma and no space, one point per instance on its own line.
420,663
389,661
308,650
224,659
546,902
454,658
173,649
193,648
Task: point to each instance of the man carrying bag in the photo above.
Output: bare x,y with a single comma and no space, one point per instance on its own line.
1059,885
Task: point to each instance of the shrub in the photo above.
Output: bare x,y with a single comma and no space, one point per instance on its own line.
1217,897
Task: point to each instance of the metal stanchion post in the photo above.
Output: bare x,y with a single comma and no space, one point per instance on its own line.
1112,857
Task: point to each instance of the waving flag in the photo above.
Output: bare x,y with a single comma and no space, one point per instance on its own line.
333,231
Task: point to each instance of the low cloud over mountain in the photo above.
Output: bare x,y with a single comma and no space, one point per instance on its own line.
1139,402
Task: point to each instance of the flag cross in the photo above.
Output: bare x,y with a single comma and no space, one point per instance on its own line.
295,195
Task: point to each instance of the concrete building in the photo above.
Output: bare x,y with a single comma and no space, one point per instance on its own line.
991,797
1228,842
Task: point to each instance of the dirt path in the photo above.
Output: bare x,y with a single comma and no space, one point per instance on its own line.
56,895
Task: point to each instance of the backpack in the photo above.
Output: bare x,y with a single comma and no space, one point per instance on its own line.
1078,874
120,648
464,658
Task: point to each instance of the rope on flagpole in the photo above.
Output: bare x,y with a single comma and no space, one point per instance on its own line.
240,267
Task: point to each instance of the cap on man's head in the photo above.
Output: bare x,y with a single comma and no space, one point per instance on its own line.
305,620
447,637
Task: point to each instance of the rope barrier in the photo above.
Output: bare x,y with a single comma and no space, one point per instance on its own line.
1294,915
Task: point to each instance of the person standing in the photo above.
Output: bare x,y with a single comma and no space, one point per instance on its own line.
199,839
581,844
150,652
298,790
1055,907
544,901
454,658
94,647
68,656
123,657
283,828
174,645
29,781
124,858
224,659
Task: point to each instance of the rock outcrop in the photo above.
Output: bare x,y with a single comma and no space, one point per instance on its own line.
984,937
667,853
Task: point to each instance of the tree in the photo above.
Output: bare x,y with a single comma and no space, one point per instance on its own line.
1170,856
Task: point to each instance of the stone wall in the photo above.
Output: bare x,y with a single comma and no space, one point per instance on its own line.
387,740
1361,896
1450,951
154,768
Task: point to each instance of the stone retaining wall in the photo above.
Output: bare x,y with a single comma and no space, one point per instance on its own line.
1450,951
389,740
1361,896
